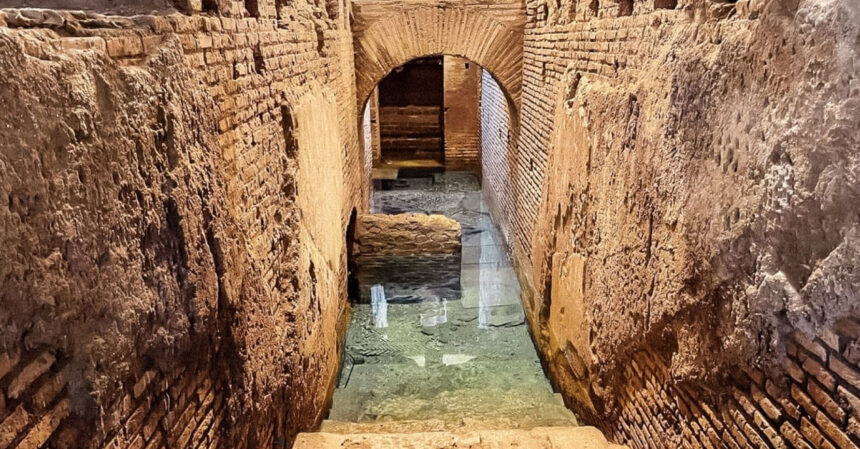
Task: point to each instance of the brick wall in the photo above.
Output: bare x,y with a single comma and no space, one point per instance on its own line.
374,125
815,404
498,146
490,37
461,117
182,408
274,78
662,337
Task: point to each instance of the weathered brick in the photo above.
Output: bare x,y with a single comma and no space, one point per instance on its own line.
814,368
833,432
847,373
49,390
39,434
41,364
823,399
142,383
765,404
812,346
793,436
813,435
83,43
13,425
124,46
804,400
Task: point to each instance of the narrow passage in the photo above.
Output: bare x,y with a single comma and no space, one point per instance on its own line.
442,344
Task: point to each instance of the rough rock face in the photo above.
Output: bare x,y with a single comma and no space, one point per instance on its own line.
114,218
406,234
162,284
713,203
700,198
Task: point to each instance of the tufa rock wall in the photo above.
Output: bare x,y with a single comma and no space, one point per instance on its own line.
172,276
696,216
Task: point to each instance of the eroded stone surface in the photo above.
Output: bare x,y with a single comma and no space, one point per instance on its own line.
538,438
406,234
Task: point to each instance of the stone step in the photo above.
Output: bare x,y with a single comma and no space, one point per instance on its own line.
440,425
537,438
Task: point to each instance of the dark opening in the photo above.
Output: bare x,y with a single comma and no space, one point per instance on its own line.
352,286
594,6
665,4
253,7
542,13
291,144
259,60
210,6
625,7
411,100
332,7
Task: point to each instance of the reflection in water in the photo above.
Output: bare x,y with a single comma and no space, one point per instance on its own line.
438,313
449,344
379,306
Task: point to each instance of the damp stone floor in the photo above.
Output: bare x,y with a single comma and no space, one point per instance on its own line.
422,360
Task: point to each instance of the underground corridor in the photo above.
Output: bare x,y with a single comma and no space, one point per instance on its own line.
437,338
312,224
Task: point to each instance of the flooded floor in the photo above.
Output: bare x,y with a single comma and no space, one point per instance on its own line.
452,348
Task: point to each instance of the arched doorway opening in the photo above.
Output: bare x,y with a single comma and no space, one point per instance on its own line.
435,113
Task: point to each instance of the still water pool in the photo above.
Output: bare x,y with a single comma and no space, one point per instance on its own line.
451,351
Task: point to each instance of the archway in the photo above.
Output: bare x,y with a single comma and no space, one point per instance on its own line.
491,129
469,33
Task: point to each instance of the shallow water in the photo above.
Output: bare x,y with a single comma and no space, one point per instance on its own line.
428,351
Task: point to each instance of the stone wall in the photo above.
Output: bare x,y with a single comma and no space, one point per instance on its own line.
406,234
407,254
176,189
695,172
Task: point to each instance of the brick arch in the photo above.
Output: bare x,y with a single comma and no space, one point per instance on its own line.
402,36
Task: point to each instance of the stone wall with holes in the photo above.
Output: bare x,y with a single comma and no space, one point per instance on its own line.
461,114
175,192
680,193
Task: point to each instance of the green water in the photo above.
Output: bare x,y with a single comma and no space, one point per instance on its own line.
465,358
